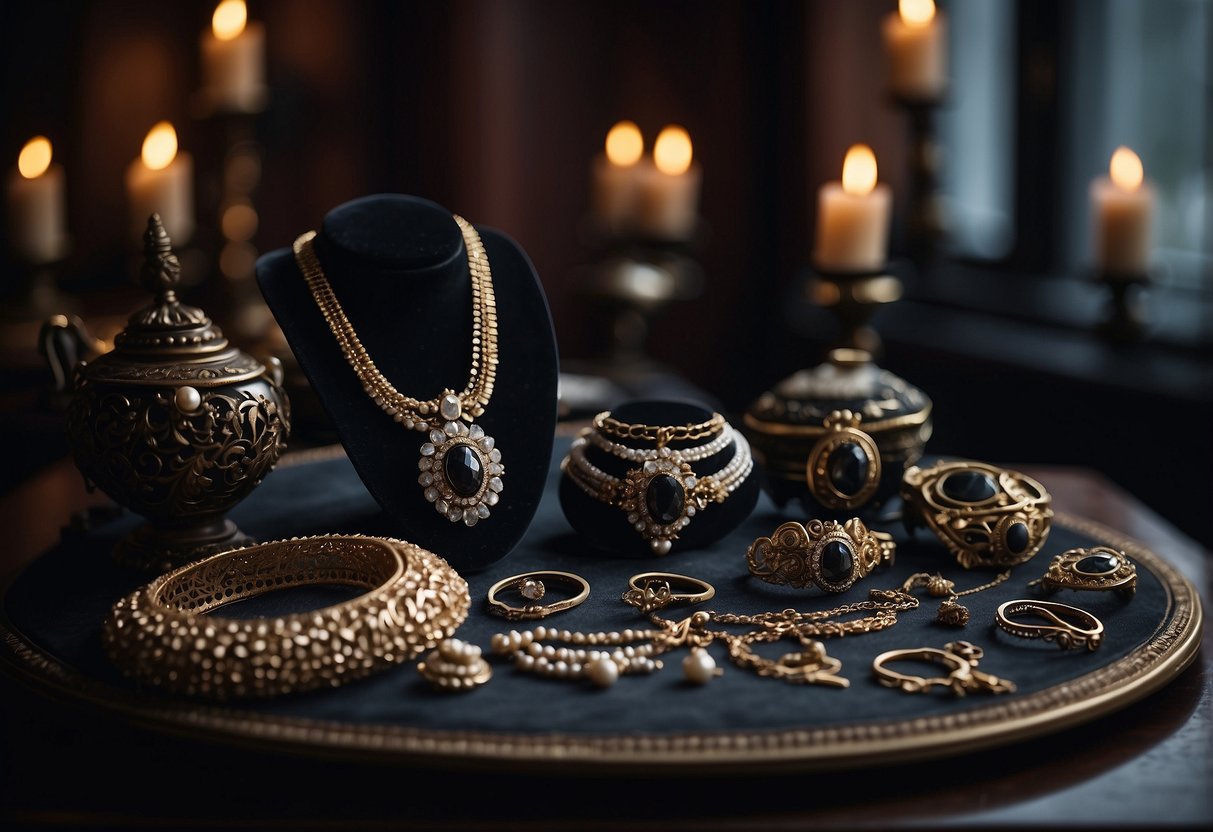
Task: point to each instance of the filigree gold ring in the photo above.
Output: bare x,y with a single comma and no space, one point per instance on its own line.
532,587
1067,627
652,591
1100,568
986,516
822,553
959,657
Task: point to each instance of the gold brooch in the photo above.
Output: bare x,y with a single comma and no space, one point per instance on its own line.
1100,568
843,467
822,553
987,516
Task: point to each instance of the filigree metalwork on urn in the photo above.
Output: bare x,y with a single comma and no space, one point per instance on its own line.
174,423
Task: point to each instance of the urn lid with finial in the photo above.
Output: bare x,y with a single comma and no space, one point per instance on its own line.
168,341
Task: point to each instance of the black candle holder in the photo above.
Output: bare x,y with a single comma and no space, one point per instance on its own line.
926,223
630,282
853,297
1124,320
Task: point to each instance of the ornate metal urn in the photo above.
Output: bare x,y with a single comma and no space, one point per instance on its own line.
174,423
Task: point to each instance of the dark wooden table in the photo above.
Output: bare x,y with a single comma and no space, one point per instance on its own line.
1149,765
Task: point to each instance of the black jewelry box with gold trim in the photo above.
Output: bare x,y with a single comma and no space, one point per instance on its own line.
838,436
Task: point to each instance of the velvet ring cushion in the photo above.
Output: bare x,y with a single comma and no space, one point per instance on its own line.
429,342
657,476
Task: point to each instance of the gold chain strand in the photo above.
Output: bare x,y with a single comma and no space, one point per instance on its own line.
661,434
460,469
475,396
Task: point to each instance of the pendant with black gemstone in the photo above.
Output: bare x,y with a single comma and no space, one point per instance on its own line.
461,469
843,468
660,499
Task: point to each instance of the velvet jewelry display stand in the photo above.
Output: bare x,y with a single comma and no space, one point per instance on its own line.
398,266
606,527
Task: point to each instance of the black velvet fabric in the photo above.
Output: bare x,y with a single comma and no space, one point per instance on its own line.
61,599
398,266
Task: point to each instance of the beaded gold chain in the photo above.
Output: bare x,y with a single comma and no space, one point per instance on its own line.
460,467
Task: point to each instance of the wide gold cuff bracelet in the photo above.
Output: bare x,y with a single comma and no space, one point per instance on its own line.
162,635
821,553
986,516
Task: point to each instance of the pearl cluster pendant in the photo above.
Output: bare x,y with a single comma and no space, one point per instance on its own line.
455,665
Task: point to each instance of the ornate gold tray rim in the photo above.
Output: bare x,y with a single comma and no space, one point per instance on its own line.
1087,697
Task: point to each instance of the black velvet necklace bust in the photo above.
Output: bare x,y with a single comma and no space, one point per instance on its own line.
607,528
398,266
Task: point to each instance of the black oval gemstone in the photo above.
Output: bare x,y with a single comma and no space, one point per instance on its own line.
664,497
1017,538
463,470
848,468
836,561
1098,564
970,486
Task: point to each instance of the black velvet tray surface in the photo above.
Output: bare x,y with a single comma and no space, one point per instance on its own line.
58,603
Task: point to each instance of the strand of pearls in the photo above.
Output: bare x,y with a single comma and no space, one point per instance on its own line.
693,454
599,657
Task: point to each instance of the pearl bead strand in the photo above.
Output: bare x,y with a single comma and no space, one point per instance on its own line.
599,657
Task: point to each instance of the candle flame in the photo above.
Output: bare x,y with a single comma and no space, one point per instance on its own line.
229,19
1126,169
35,157
916,12
160,146
624,144
672,151
859,170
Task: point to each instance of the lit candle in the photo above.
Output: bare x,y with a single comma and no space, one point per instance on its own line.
853,217
915,38
669,196
1122,205
36,205
616,178
162,181
233,59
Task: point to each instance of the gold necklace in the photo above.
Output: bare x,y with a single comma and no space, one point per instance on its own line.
460,466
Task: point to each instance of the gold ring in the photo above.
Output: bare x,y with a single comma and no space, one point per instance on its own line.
959,657
651,591
822,553
1088,632
531,586
987,516
1099,568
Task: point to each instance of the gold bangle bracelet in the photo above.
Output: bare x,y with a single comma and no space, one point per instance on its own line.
822,553
161,634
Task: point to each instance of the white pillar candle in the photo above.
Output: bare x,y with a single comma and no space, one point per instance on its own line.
162,181
1122,205
853,217
916,40
233,60
615,179
36,222
669,200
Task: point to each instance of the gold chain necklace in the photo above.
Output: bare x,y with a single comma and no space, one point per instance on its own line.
460,466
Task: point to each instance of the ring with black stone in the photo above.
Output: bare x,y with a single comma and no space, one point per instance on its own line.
823,553
1099,569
